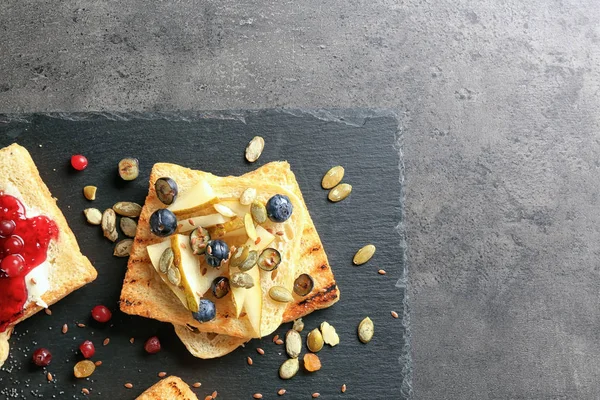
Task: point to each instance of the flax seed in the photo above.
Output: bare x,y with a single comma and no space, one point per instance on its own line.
128,385
106,342
49,376
394,314
81,325
48,311
275,338
381,272
131,340
257,396
214,394
315,395
257,241
162,374
197,384
65,328
33,281
344,388
85,391
260,351
249,360
280,233
281,392
98,363
279,341
209,397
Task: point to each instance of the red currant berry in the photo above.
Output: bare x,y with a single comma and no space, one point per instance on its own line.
152,345
101,314
13,245
7,227
12,265
79,162
87,349
42,357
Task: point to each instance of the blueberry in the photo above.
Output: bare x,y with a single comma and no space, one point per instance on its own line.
216,251
166,190
206,312
163,222
220,287
279,208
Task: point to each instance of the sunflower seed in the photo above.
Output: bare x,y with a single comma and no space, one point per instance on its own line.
174,276
128,226
259,212
364,254
298,325
333,177
330,336
340,192
93,216
248,196
241,279
123,248
129,168
224,210
166,260
250,228
289,368
109,221
128,209
314,340
89,192
281,294
255,148
366,330
293,343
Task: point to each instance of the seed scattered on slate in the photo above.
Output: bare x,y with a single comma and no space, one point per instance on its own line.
255,148
128,226
281,392
332,177
364,254
394,314
128,209
89,192
289,368
93,216
366,330
123,248
340,192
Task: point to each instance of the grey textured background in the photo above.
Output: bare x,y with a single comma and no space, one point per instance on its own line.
500,114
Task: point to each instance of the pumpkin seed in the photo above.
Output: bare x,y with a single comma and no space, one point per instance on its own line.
224,210
128,209
129,168
93,216
314,340
109,221
364,254
340,192
199,239
298,325
123,248
239,256
250,228
303,285
255,148
281,294
366,330
174,276
166,260
293,343
241,279
128,226
289,368
333,177
250,261
330,336
248,196
259,212
89,192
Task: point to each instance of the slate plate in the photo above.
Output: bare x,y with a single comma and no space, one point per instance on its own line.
364,142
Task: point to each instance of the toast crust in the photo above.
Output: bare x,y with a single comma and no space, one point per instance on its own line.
170,388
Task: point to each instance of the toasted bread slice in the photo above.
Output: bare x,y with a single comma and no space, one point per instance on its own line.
69,269
145,294
313,261
171,388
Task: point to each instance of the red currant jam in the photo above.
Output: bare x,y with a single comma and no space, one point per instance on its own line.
23,246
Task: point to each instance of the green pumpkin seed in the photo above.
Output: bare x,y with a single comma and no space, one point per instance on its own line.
128,226
289,368
241,279
199,239
364,254
281,294
255,148
250,261
240,255
129,168
109,222
333,177
340,192
293,343
166,260
123,248
259,212
314,340
93,216
248,196
128,209
366,330
298,325
174,276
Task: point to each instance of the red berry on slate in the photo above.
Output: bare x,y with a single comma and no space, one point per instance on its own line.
79,162
87,349
152,345
42,357
101,314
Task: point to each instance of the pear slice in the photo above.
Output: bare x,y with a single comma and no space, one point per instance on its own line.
238,295
189,267
196,200
154,252
205,221
253,301
238,208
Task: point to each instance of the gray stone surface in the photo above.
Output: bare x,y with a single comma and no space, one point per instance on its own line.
500,114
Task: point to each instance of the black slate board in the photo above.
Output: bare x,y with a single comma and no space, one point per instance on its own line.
364,142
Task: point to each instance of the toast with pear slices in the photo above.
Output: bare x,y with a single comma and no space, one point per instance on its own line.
146,293
170,388
312,261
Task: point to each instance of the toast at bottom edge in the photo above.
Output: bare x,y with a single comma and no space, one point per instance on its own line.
170,388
